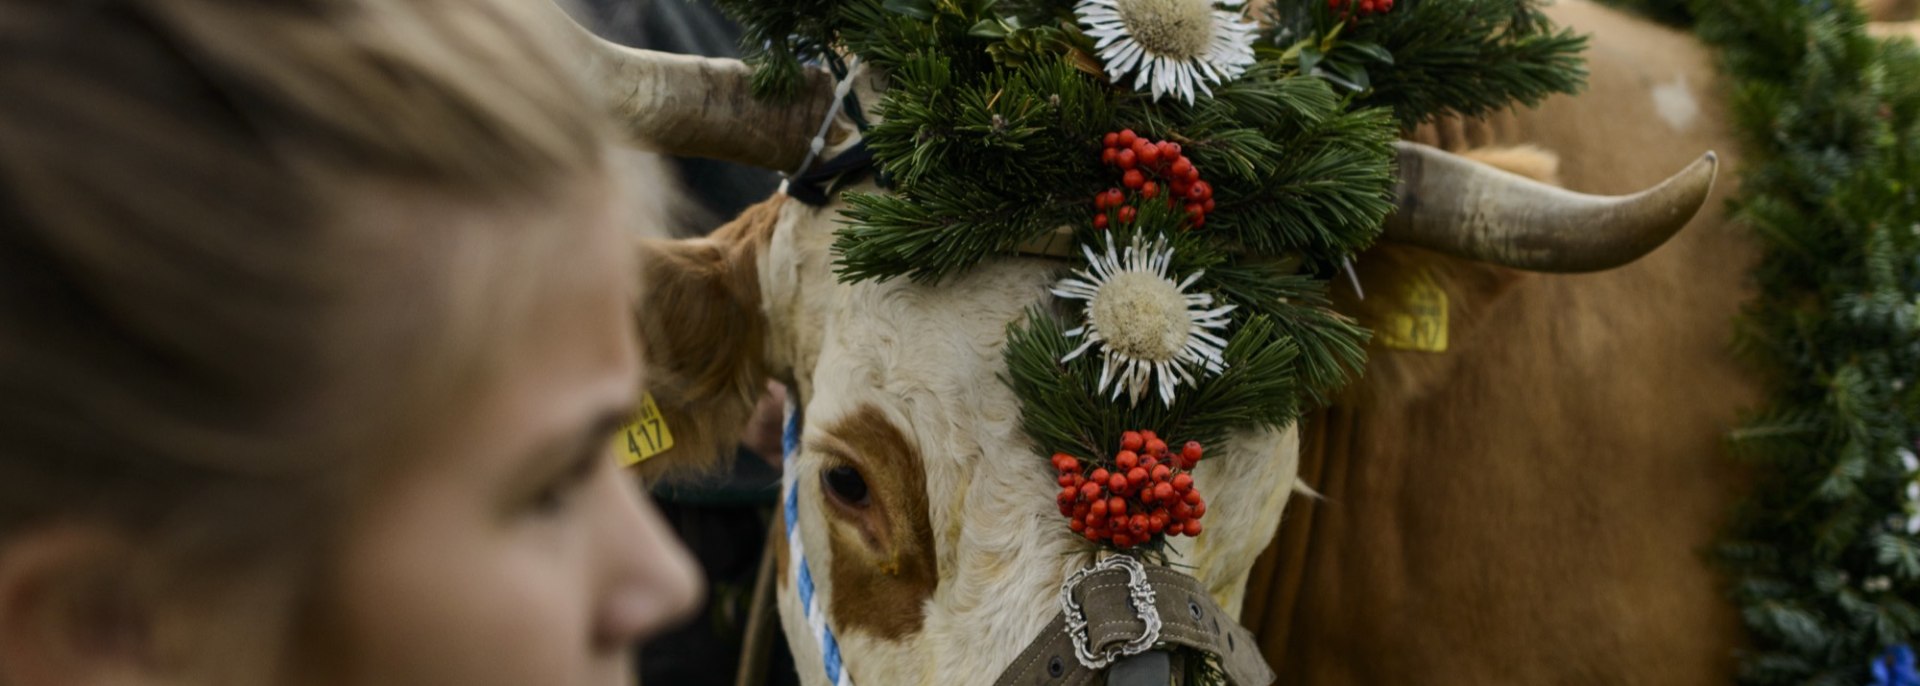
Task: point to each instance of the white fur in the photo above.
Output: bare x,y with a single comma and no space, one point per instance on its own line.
1675,103
931,358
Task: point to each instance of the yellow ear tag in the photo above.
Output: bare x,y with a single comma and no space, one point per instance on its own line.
1421,322
644,436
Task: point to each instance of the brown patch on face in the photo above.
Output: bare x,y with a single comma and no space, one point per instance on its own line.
883,561
702,336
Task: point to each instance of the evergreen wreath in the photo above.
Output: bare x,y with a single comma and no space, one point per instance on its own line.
1824,554
1215,169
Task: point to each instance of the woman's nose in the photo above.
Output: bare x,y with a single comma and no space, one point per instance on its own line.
653,581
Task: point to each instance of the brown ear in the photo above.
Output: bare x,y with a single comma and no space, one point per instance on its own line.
1407,287
703,337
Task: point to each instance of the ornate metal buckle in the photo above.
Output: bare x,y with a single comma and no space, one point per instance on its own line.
1143,608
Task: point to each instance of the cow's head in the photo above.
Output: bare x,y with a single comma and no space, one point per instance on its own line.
928,518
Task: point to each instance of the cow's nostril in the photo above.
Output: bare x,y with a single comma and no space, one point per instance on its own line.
846,484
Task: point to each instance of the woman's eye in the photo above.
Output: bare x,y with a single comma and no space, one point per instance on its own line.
555,497
552,500
846,484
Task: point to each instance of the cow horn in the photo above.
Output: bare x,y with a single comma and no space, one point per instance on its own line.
1471,210
701,106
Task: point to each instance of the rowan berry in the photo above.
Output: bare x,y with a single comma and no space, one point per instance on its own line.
1147,153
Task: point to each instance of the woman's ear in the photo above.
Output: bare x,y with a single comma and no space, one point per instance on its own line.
71,611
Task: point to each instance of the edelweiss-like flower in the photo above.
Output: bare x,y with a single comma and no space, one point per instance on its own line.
1172,46
1912,463
1150,330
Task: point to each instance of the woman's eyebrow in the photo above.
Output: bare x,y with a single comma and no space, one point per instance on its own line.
565,449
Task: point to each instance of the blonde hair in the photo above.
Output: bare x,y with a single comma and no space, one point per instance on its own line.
176,284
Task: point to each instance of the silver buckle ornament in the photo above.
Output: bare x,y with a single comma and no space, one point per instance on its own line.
1143,608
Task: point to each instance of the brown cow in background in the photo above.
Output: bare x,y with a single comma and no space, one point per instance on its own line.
1537,503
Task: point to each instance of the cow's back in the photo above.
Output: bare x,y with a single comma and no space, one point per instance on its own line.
1537,504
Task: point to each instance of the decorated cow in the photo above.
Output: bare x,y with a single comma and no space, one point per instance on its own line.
1541,490
1048,284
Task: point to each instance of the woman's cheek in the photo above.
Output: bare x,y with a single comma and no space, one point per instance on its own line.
475,601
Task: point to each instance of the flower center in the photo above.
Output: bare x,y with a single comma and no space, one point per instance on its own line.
1142,316
1179,29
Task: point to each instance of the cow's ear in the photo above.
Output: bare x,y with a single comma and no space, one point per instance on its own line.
703,337
1421,301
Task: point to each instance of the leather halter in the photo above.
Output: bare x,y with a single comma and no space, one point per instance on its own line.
1105,596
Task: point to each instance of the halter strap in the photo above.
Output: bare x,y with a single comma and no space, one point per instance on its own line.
1188,618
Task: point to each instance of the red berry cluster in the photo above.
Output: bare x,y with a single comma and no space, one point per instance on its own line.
1148,492
1151,169
1353,9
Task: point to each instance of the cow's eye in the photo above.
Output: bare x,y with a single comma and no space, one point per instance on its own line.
846,484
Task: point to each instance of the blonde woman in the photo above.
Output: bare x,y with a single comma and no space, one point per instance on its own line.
314,326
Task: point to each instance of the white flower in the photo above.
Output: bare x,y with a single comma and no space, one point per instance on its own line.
1152,333
1912,464
1171,46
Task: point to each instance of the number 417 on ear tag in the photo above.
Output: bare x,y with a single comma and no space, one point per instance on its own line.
644,436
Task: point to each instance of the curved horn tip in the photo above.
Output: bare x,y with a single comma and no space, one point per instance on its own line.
1473,211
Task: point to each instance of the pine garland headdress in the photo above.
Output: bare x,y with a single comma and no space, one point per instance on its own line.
1215,172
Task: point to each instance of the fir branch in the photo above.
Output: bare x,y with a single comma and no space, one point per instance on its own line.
1328,200
1062,409
1467,59
1821,561
1332,347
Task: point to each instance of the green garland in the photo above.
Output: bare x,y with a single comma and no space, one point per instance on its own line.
992,134
1000,126
1824,562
